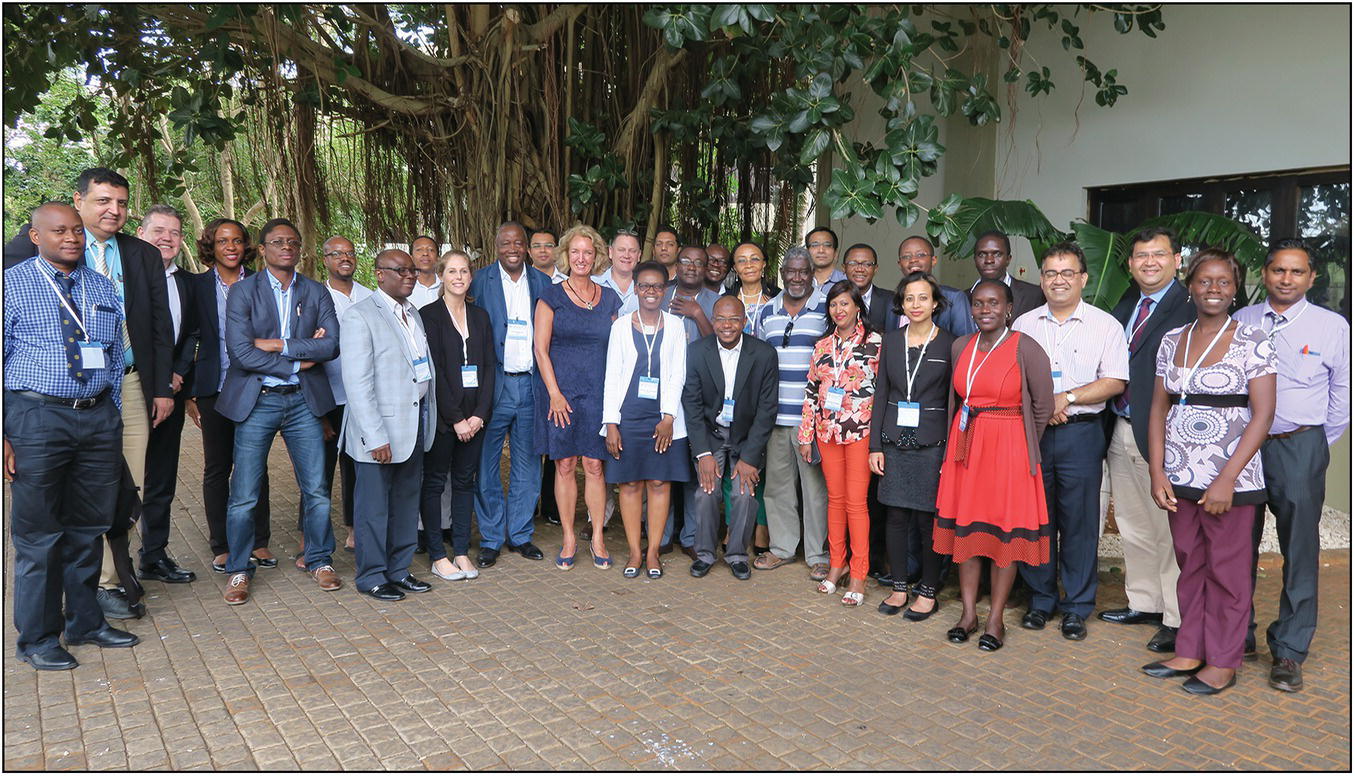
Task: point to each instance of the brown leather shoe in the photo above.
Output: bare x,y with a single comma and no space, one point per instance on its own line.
237,589
326,578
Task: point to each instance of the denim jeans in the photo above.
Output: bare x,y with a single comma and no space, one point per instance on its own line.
509,519
304,437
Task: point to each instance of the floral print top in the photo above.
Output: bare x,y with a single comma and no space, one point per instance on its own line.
851,365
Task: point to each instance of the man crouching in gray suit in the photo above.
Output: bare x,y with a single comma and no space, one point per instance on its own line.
388,426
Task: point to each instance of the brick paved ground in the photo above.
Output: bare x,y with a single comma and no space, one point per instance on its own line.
532,668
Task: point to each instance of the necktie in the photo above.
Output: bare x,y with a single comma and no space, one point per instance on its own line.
1136,330
71,335
101,264
1275,320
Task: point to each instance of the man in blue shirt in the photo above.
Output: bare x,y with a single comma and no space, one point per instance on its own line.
63,438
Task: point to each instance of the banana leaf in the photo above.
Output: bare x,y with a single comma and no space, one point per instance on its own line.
1107,253
1015,218
1194,227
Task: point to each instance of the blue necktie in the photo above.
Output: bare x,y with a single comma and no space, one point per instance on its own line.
71,334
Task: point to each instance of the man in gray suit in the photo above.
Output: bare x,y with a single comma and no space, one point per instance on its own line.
388,426
272,386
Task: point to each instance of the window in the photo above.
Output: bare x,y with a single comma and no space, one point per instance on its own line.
1312,204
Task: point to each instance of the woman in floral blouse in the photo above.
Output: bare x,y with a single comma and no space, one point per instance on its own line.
836,414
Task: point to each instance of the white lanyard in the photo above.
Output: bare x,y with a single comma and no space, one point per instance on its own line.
649,343
837,365
752,316
1274,332
84,302
1135,332
1058,341
971,373
911,372
402,316
464,331
1189,372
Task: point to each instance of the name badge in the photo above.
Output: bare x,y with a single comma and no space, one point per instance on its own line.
835,398
422,372
910,414
964,417
648,388
1057,374
470,376
727,412
92,356
517,329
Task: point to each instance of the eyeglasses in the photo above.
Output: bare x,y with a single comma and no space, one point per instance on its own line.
911,256
821,244
340,254
281,243
990,254
745,260
649,287
1159,255
735,319
691,262
855,264
1066,274
536,245
404,272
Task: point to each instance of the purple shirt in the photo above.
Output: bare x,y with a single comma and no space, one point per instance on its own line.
1312,346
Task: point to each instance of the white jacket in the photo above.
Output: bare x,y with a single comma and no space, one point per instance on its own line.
621,357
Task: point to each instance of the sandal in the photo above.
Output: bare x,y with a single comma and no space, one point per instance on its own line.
564,563
852,599
766,561
600,561
827,588
819,571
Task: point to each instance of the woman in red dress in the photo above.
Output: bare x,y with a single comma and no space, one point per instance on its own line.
990,500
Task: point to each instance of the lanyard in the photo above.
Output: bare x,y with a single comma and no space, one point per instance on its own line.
1189,372
972,372
1058,341
1276,329
911,372
402,317
757,300
1137,329
464,331
649,343
84,300
837,364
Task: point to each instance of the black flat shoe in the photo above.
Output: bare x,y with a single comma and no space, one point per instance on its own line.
912,616
1127,616
989,643
265,563
890,609
700,568
740,569
1197,686
51,659
958,635
1163,671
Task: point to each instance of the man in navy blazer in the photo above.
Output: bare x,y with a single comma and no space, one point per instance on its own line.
279,326
508,290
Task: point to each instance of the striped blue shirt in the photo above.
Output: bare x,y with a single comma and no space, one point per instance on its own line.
283,299
35,357
113,258
794,351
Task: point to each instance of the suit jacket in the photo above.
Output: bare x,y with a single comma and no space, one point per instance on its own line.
931,389
956,318
186,345
1025,297
149,327
205,337
1172,311
880,310
455,401
755,397
486,290
252,313
378,376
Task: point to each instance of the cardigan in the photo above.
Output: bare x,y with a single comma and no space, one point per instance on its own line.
1037,390
621,357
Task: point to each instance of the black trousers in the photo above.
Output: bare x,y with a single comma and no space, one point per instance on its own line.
546,506
449,456
904,530
334,454
879,550
218,460
68,465
162,476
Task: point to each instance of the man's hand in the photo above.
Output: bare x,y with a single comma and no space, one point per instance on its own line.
161,409
319,333
191,407
269,345
681,305
705,472
475,422
327,429
382,454
9,462
176,382
748,476
305,365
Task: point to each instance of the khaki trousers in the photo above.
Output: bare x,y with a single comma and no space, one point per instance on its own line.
136,434
1150,569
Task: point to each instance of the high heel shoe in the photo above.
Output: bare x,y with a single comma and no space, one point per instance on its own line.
600,561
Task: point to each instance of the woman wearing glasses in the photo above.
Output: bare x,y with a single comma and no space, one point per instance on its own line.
645,433
573,320
752,288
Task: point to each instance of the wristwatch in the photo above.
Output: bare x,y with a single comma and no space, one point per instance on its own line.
1071,397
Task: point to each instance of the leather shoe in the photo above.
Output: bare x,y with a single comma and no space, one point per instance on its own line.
700,568
1161,671
488,557
1074,628
664,549
1127,616
690,552
166,570
114,604
237,590
1035,619
107,637
413,584
51,659
989,643
1163,641
529,551
1286,675
384,592
1197,686
740,569
1249,650
326,578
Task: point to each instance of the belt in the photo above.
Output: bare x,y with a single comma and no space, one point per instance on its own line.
129,370
1082,417
1287,434
974,413
1209,399
287,388
516,374
75,404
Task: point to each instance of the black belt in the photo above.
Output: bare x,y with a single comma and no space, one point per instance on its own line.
1287,434
1084,417
517,374
75,404
1210,399
287,388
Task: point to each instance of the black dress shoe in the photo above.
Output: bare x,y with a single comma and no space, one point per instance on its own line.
114,604
1161,671
1249,651
890,609
1164,640
1197,686
413,584
487,557
166,570
700,568
664,549
220,568
989,643
51,659
689,552
384,592
1286,675
107,637
1035,619
529,551
1127,616
740,569
1074,628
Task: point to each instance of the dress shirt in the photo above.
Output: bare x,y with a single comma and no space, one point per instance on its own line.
1087,346
420,296
705,298
1312,348
556,276
820,291
35,357
342,302
283,299
175,306
793,353
405,316
223,292
629,301
517,300
729,364
1156,296
1006,278
113,261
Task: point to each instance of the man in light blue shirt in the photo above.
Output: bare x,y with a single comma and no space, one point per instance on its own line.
624,252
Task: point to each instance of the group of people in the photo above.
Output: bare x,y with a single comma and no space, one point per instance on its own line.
887,432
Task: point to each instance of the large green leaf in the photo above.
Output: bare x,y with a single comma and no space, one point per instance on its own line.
1015,218
1106,254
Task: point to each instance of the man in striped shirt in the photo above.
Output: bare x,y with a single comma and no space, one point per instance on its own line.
791,323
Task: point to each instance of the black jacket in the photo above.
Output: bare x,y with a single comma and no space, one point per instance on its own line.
755,397
931,389
146,301
185,347
880,312
456,402
204,344
1174,310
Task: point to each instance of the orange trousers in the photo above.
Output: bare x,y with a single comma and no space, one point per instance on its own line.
846,470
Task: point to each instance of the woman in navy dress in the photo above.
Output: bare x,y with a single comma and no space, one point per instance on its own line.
573,319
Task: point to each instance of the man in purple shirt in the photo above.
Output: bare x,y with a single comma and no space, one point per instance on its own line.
1312,410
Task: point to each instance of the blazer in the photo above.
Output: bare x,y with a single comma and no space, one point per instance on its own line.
755,397
378,376
621,357
486,289
956,318
931,389
880,312
149,327
1025,297
205,342
1037,390
1173,311
252,313
186,345
445,346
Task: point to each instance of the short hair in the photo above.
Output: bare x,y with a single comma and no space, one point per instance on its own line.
448,256
276,223
540,230
942,303
600,256
861,247
1066,248
1006,289
99,175
830,232
649,266
1288,244
1217,254
996,235
704,256
838,289
930,246
511,223
666,228
626,231
423,237
162,210
796,252
1150,233
207,242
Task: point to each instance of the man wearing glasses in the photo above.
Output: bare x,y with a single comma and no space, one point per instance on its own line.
541,248
822,245
861,263
916,254
1090,364
992,254
279,325
689,299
